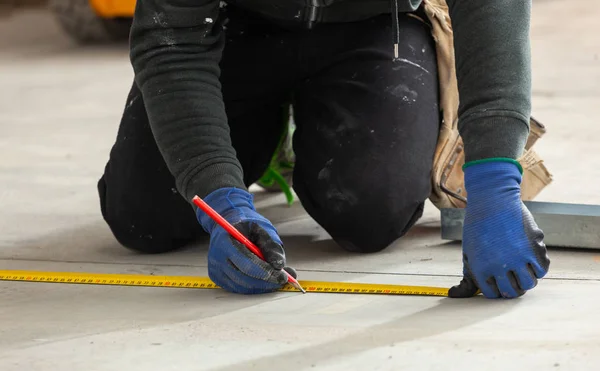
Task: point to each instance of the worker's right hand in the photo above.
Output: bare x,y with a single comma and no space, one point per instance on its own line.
231,265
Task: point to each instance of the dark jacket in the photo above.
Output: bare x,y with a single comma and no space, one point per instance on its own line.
176,47
310,12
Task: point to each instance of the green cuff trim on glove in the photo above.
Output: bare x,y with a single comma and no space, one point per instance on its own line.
494,159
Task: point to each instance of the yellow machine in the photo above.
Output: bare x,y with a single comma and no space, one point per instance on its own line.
94,21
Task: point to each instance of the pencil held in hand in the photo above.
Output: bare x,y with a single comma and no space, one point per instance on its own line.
238,235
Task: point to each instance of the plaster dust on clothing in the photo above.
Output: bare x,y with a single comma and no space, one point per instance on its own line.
410,63
325,172
340,199
159,19
403,92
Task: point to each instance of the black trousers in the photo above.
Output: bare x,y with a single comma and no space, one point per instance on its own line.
366,132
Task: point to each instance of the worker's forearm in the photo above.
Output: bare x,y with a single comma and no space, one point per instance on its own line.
176,47
494,78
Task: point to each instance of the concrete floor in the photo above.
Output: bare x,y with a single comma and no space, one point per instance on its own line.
59,110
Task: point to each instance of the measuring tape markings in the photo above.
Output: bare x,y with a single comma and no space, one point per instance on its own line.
190,282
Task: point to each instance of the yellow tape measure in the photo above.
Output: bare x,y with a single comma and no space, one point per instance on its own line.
191,282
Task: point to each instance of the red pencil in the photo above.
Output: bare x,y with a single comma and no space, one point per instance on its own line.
238,235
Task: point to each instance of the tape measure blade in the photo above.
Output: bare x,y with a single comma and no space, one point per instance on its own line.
116,279
368,288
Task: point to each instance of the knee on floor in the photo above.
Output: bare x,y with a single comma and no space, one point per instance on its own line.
145,242
143,231
370,233
365,223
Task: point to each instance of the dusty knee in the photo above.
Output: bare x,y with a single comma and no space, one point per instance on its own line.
360,221
143,231
146,242
370,233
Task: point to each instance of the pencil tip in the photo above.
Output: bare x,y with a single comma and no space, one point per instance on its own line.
299,287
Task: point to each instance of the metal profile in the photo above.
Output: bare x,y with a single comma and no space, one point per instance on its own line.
564,225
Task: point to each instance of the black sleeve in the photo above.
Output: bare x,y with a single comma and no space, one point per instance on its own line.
493,68
175,49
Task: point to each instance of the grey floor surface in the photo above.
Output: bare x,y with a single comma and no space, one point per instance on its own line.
59,110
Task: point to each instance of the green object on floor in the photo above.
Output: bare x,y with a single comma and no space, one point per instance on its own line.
278,175
271,177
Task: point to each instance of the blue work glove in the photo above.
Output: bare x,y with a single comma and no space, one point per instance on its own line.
504,254
231,265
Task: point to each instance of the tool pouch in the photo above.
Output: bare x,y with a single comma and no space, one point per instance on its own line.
448,190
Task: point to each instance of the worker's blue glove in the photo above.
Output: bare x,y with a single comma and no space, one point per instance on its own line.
231,265
503,250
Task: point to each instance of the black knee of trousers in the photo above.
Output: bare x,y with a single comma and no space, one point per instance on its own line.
137,234
361,216
147,243
354,237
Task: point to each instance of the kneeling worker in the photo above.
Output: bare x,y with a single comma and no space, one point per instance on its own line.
206,113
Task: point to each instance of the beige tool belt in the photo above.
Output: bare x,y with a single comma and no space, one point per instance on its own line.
447,176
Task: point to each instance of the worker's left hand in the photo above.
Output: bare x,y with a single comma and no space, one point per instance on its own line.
504,254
